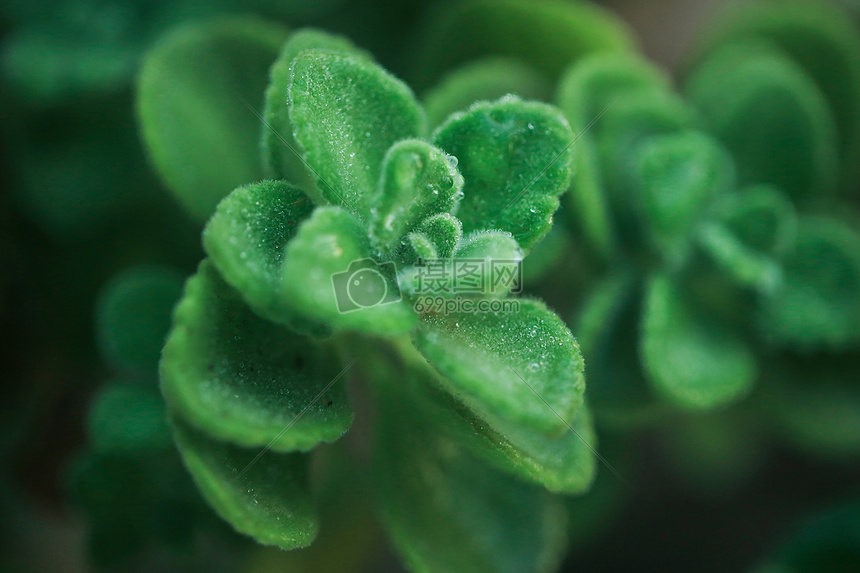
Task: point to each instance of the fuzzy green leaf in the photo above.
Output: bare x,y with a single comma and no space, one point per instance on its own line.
417,246
750,230
243,379
586,91
488,245
483,80
516,160
691,359
245,239
484,264
823,40
565,464
771,115
265,498
418,181
128,419
524,367
500,257
328,276
445,511
200,135
818,301
133,317
347,113
444,231
546,34
680,174
280,150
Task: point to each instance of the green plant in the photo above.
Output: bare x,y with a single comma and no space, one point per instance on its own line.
653,187
713,229
778,84
718,219
129,480
474,409
718,225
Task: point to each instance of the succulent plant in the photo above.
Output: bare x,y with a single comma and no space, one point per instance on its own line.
396,250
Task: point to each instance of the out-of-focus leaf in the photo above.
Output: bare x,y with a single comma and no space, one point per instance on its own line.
751,229
633,119
606,327
811,400
200,135
679,175
593,82
127,419
133,317
134,501
77,169
592,514
772,117
829,541
824,41
588,89
692,360
545,34
486,79
547,254
714,453
818,301
69,55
